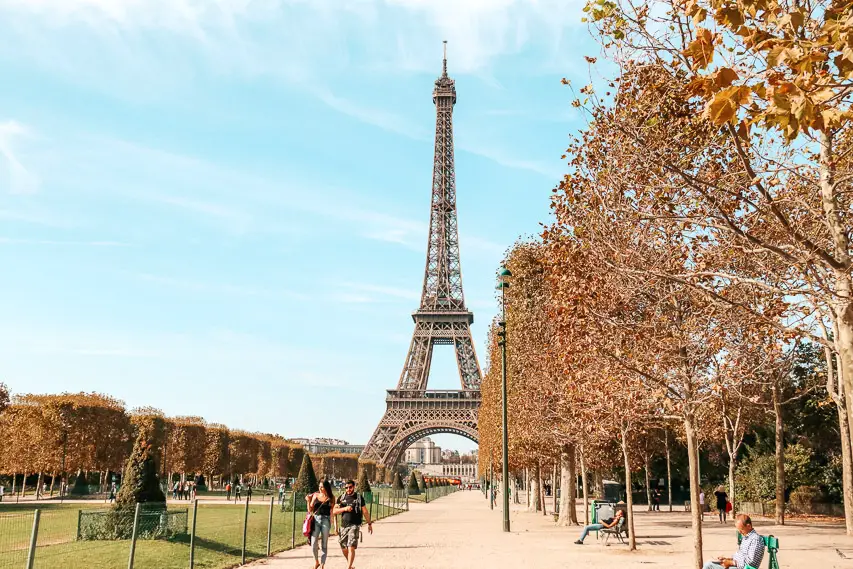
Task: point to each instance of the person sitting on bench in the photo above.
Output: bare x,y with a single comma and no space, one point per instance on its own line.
751,550
608,523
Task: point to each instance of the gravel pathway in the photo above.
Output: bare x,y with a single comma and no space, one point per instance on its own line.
460,532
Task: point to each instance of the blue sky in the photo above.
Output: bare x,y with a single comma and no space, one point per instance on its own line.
219,207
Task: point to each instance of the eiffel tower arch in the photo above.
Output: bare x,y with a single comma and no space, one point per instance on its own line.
413,411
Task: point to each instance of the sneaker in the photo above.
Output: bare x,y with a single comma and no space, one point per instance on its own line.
579,542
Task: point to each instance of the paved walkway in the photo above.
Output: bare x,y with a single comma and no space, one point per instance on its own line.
460,532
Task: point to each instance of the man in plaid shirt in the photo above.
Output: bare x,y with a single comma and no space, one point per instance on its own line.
751,550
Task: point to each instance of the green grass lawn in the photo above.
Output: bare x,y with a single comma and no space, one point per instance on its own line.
219,535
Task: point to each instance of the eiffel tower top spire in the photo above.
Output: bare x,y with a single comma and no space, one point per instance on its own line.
445,87
444,61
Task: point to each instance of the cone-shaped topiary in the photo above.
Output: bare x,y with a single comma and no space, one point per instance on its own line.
139,483
420,477
413,485
363,486
398,482
306,482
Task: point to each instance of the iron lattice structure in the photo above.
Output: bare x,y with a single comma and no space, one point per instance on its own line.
414,411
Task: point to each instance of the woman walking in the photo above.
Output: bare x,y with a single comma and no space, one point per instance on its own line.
722,502
320,506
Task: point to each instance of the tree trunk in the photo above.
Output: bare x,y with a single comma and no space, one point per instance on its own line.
542,492
732,466
847,468
597,483
14,482
668,470
554,487
629,496
567,499
693,469
844,342
572,488
780,454
533,490
52,480
38,485
842,305
648,483
836,392
515,486
585,483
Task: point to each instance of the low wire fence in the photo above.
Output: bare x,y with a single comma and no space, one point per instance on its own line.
210,534
430,494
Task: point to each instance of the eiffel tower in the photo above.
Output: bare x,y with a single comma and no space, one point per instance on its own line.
413,410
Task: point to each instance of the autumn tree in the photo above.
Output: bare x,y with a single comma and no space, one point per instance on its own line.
243,449
217,457
187,442
771,179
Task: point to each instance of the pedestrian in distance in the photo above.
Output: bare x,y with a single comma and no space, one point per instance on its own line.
320,506
722,501
237,492
353,510
228,492
702,503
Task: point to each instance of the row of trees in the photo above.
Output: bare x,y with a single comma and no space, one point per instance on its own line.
700,251
90,432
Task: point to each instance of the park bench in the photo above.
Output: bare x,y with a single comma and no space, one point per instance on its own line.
772,545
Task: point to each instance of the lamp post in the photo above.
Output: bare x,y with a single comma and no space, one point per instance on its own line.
503,283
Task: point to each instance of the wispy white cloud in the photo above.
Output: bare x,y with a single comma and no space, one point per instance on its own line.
377,117
506,159
217,287
289,36
20,180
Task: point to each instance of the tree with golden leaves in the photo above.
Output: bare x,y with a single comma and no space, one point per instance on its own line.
765,163
217,457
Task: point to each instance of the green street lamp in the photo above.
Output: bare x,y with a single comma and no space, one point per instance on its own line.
504,275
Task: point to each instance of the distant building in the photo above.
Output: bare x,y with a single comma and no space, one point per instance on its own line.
466,472
325,446
423,451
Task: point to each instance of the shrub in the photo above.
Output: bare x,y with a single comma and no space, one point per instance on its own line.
804,497
306,481
363,486
140,484
756,476
398,482
414,489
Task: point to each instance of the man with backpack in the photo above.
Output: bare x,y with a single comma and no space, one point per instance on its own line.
353,509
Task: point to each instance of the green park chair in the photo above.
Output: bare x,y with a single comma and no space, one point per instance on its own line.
772,545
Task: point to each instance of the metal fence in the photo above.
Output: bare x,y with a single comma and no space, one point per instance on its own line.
207,534
430,494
